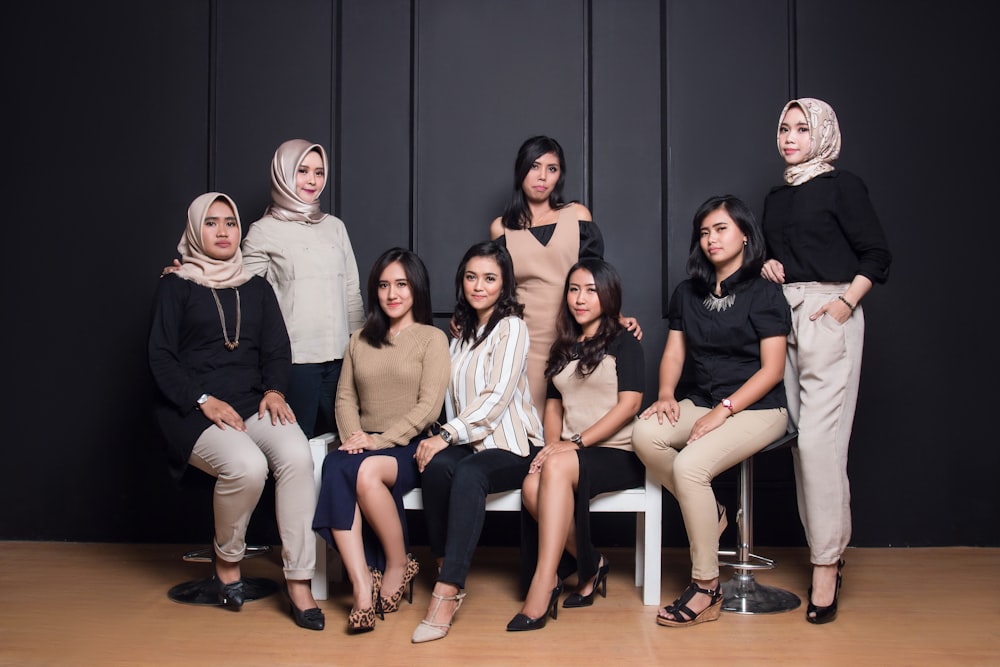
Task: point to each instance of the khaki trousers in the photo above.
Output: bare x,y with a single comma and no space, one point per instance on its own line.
687,471
821,381
239,462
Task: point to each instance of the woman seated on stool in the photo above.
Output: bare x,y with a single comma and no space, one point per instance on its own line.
492,428
594,374
730,324
219,354
391,390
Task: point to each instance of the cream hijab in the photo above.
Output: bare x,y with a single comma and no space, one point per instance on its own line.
198,267
824,134
285,203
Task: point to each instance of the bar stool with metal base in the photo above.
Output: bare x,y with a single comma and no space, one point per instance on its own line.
742,594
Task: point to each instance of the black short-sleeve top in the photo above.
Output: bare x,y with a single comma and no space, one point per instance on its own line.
723,344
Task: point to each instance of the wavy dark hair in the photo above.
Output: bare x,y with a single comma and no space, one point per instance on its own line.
517,215
608,284
375,331
465,315
699,268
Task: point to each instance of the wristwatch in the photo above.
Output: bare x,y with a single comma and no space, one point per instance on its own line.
576,440
728,405
446,436
202,399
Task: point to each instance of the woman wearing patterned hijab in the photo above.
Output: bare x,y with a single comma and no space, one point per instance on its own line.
826,249
307,257
219,355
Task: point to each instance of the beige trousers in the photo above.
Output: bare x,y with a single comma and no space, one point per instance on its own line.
239,462
821,381
687,471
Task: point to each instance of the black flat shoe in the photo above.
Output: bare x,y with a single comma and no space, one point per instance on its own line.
820,615
310,619
230,596
600,584
522,622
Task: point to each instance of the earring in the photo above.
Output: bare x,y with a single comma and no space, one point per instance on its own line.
744,243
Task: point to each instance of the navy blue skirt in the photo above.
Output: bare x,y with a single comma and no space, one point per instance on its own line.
338,494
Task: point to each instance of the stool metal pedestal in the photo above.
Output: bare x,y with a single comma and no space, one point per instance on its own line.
742,594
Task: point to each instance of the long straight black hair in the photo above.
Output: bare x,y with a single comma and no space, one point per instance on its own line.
465,315
376,328
517,215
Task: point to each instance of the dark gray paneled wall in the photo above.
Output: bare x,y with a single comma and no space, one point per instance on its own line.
123,113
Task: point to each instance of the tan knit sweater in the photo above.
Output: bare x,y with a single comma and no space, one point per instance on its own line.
396,390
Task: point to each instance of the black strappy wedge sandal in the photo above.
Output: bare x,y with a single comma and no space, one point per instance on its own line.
682,614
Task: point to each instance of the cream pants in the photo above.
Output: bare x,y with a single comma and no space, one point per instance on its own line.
239,462
687,471
821,381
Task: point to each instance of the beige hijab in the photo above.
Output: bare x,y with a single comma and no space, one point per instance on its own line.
285,203
824,134
198,267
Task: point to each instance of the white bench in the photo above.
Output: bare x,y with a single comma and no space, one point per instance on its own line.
644,501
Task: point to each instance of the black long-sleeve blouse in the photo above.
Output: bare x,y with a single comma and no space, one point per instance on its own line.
826,230
188,356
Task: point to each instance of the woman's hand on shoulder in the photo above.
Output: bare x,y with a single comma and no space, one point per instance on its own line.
773,271
222,414
668,408
275,403
631,324
358,442
453,328
426,450
176,266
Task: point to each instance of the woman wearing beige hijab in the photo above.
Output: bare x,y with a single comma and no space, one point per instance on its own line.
826,248
219,354
307,257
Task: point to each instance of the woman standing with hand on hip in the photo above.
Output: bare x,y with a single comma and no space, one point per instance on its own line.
545,236
826,249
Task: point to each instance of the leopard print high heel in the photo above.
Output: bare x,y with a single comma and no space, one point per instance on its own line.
391,603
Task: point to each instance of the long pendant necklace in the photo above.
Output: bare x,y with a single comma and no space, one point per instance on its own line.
235,343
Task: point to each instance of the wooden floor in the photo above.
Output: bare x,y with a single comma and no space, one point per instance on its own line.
106,604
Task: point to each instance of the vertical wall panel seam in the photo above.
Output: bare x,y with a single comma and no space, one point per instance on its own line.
588,103
664,159
793,50
413,129
336,102
213,84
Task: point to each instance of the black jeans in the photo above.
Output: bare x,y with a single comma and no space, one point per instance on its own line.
455,485
311,392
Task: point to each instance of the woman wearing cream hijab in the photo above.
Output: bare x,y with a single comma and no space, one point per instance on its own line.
826,248
219,354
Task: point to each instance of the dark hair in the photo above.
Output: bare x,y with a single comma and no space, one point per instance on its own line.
609,292
517,215
465,315
376,328
698,266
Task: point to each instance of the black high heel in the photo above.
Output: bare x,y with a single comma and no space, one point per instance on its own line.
310,619
600,584
521,622
820,615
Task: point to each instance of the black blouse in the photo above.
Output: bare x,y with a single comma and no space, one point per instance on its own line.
188,356
723,346
826,230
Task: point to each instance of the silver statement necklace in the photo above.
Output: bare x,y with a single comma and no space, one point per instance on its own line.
719,303
235,343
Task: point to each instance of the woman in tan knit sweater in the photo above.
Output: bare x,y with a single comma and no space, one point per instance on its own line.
392,388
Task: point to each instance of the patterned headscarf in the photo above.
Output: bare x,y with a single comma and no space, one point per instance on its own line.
198,267
285,202
824,140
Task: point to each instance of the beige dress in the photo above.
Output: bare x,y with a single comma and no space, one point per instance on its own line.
540,271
